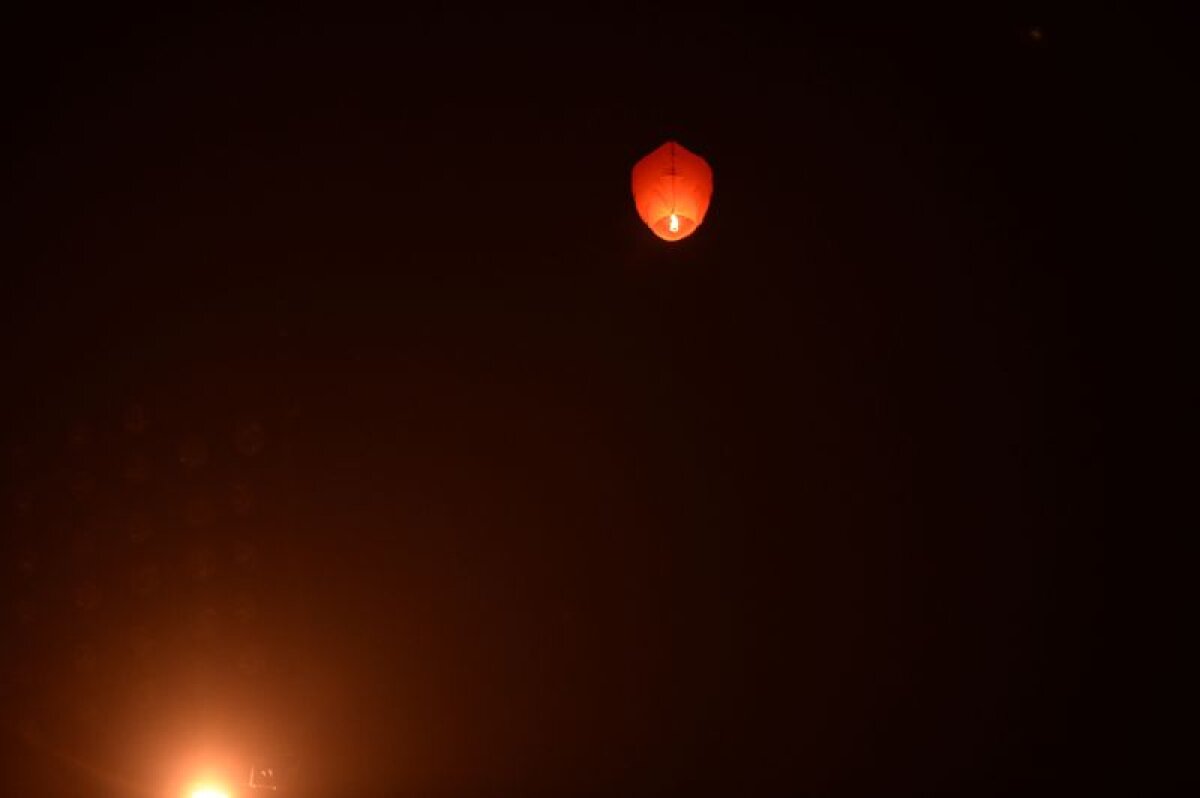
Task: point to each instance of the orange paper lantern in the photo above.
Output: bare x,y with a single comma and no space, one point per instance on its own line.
672,187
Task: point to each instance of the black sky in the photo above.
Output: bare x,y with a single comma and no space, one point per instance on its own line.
354,417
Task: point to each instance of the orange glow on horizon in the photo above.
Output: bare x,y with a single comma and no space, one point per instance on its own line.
208,791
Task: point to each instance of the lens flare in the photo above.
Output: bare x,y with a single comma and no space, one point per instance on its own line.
208,791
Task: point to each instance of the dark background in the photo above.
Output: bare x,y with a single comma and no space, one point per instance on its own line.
353,419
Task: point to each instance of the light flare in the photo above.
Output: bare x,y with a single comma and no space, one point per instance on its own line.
208,791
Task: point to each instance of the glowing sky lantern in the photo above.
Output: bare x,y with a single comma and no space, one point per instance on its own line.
672,187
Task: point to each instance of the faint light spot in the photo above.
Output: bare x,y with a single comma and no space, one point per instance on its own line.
80,436
88,712
244,553
249,438
147,578
25,675
87,596
81,485
1036,35
147,694
22,503
83,543
24,612
85,658
138,528
199,512
31,729
193,451
201,564
141,642
207,623
27,563
135,420
18,456
251,661
242,499
246,609
137,469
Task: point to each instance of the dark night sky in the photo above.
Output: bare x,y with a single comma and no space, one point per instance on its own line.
354,417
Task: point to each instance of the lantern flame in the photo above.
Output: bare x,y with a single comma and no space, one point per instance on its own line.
673,224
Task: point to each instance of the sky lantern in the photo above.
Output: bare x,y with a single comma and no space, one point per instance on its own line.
672,187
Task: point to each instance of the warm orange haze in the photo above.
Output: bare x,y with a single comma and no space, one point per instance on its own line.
361,439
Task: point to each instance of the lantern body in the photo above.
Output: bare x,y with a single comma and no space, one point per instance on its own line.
672,187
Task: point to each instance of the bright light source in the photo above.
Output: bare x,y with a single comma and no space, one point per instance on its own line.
209,792
673,225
